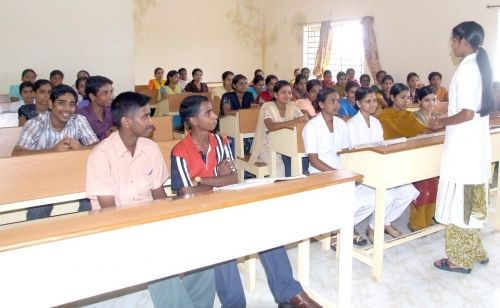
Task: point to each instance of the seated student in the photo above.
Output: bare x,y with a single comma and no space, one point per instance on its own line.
327,80
42,90
227,85
27,75
299,90
239,99
379,76
55,131
413,82
196,86
277,114
364,80
306,105
435,82
348,106
158,81
396,120
365,128
183,80
422,210
258,85
266,96
306,72
258,72
27,97
295,73
383,95
341,83
80,84
203,160
172,85
56,78
98,112
350,74
82,74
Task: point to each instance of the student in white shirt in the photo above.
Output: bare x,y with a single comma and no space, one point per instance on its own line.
364,128
325,135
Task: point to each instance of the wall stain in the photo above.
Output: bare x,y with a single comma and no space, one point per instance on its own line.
247,22
141,9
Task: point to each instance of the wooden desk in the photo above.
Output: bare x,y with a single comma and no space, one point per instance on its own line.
386,167
57,260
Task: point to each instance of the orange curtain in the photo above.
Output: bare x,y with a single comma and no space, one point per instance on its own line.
324,48
370,44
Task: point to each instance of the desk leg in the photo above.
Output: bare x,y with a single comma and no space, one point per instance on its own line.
497,203
378,245
303,262
344,247
272,164
250,272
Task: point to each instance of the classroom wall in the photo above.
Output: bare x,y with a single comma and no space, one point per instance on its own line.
216,35
68,35
412,35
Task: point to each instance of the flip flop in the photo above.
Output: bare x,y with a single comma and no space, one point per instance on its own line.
485,261
445,266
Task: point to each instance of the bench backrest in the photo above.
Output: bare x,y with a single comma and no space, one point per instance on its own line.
174,100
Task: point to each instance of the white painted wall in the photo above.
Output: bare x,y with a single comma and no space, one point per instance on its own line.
412,35
68,35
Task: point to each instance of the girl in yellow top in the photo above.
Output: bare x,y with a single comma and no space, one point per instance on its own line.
155,84
396,120
172,85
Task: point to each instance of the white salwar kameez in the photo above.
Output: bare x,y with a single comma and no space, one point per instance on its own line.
467,147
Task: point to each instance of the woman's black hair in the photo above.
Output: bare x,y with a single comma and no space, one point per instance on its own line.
25,84
411,75
396,89
26,71
340,74
157,69
433,74
225,74
473,33
379,73
257,79
237,78
299,77
387,77
362,92
170,74
39,83
80,80
196,70
327,72
280,84
190,107
423,92
322,95
351,84
365,76
257,71
270,78
311,83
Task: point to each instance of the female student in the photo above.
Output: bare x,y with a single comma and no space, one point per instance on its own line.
341,83
172,85
435,82
348,106
422,209
465,164
227,84
396,120
42,90
327,80
305,105
27,75
413,82
266,96
299,90
239,99
383,95
365,128
196,86
277,114
155,84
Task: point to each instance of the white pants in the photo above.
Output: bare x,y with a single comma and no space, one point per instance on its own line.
396,201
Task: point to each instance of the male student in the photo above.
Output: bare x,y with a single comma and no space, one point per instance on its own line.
203,160
99,91
128,168
56,78
57,130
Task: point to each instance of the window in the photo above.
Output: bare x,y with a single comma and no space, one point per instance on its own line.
347,46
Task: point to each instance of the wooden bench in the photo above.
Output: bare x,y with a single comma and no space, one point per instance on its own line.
152,94
288,141
163,129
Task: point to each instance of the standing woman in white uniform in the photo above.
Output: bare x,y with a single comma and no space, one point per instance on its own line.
462,199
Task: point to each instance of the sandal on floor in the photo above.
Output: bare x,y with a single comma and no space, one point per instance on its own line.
484,261
444,265
358,240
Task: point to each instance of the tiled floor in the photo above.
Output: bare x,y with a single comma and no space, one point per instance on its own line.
409,278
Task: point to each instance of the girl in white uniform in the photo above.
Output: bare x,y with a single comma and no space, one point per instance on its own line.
462,199
325,135
364,128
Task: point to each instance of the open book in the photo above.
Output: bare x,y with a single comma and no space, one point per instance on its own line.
382,143
257,182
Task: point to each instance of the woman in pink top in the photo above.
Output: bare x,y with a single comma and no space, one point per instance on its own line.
305,105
